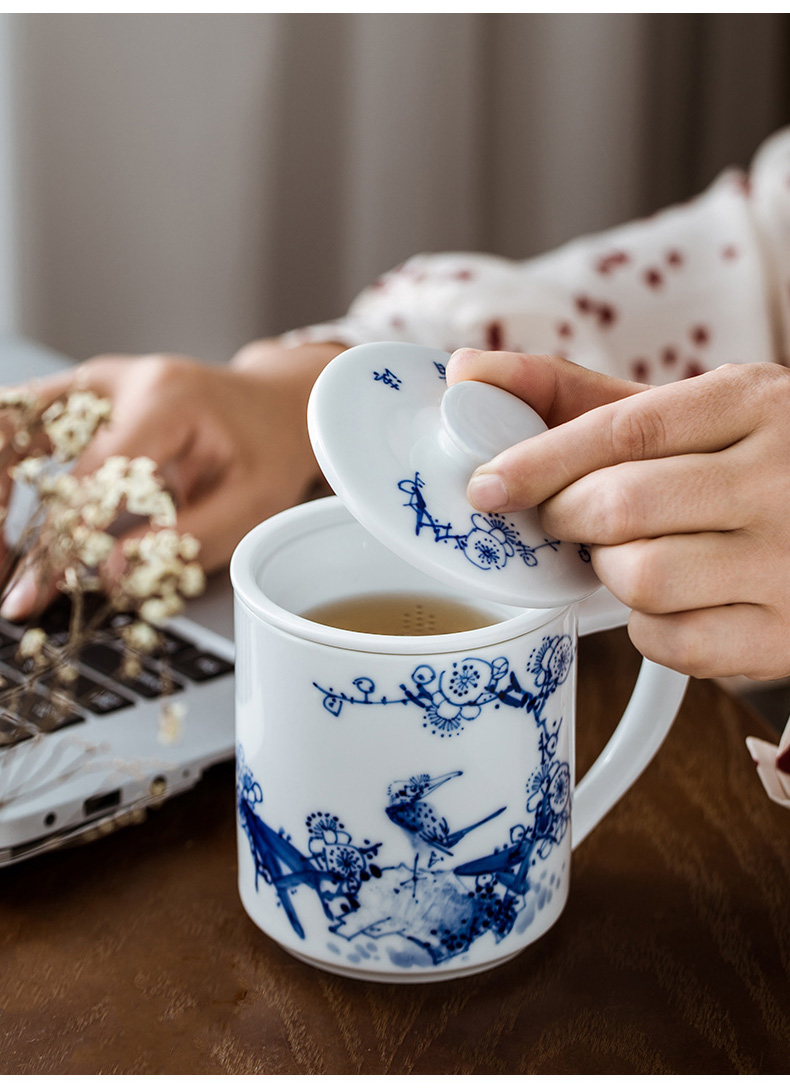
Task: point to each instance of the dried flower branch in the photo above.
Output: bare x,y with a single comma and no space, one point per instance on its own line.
69,541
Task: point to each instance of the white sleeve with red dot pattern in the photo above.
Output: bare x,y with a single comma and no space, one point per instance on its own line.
695,286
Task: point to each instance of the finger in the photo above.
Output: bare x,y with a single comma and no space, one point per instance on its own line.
686,494
153,420
682,573
557,389
731,640
164,445
218,521
698,415
28,592
96,374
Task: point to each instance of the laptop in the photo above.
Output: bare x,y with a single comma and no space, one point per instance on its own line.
106,759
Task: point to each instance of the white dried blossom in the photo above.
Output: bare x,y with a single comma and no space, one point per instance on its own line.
18,398
71,425
162,546
189,547
192,581
133,484
158,609
71,580
67,489
92,546
141,581
161,510
104,493
140,637
67,674
113,473
131,668
29,470
59,535
145,494
171,723
172,602
32,643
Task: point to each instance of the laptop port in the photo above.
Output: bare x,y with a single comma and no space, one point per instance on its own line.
102,802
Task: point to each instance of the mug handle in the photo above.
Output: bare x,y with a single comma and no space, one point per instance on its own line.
647,719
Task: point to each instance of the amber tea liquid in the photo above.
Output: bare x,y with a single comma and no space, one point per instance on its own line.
402,614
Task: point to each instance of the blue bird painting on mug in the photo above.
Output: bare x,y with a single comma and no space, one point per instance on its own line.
438,907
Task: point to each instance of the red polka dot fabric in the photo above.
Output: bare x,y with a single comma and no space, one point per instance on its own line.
656,300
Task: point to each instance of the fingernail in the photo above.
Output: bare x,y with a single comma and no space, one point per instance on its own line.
462,355
487,491
21,597
465,353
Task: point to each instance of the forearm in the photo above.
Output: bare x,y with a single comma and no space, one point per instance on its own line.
299,365
289,373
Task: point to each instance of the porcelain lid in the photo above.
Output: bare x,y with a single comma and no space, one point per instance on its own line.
398,448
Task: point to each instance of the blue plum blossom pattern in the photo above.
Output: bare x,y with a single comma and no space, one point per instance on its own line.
453,697
491,541
552,662
449,699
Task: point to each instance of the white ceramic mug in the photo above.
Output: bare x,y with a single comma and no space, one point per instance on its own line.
405,802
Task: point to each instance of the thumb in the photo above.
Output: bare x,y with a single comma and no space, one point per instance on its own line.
557,389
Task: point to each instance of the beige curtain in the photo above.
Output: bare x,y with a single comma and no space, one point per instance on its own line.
188,182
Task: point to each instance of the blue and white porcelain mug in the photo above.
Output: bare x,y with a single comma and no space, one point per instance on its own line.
406,803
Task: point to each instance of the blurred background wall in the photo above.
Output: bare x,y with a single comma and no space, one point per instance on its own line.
189,182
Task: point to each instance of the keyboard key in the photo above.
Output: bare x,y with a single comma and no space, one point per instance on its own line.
12,731
103,657
170,645
117,620
98,699
19,666
7,635
108,660
201,665
45,713
55,619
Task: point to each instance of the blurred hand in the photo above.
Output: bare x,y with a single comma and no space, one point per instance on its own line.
682,490
231,441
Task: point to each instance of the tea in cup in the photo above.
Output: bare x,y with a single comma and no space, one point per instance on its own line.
406,801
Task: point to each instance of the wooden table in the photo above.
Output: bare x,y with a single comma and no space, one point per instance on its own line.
134,955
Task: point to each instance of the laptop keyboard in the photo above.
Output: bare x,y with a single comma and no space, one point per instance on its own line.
100,687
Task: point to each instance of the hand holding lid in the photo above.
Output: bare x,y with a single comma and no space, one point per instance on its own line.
398,447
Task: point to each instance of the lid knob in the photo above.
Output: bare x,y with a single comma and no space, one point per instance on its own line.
479,421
